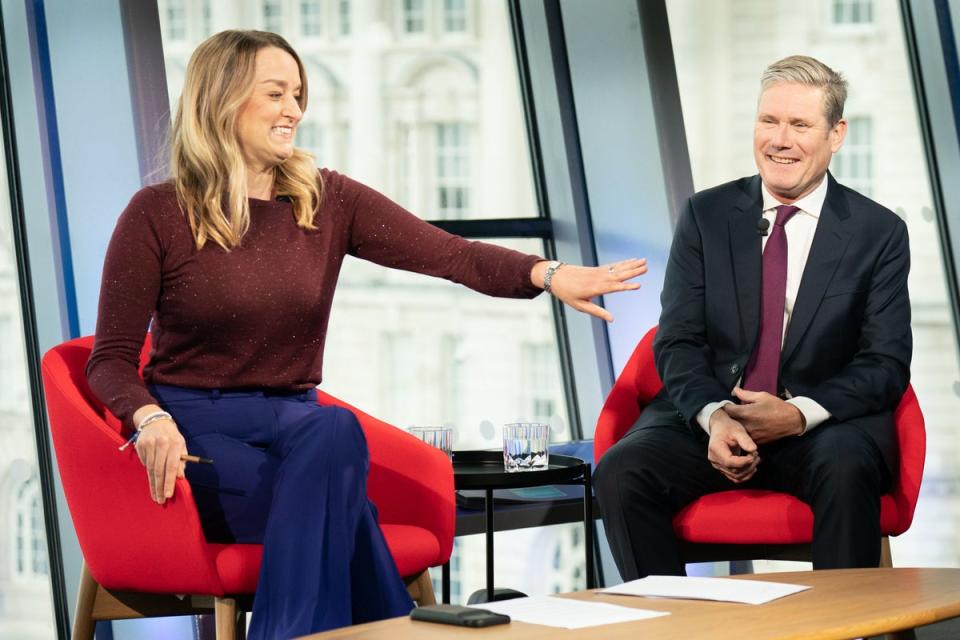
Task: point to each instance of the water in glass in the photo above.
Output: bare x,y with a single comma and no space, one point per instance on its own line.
525,446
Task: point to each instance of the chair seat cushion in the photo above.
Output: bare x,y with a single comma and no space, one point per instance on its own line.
413,548
745,516
238,565
749,516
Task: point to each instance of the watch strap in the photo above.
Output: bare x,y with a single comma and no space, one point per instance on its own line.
548,275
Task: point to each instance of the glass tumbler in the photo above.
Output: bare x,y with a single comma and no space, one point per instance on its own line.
525,446
439,437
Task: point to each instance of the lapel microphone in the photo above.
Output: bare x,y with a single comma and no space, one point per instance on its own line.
762,226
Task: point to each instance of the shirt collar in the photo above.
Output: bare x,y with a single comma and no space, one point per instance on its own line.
812,203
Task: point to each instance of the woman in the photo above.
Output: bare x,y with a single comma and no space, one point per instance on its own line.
235,260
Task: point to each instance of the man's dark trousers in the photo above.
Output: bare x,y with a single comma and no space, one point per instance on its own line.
656,470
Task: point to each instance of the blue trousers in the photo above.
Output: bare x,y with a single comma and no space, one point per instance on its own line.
291,475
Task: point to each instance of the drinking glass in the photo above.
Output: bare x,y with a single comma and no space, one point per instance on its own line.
525,446
439,437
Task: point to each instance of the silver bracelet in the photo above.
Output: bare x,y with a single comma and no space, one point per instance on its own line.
548,275
153,417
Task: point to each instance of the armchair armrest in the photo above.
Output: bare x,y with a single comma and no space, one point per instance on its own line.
410,481
912,441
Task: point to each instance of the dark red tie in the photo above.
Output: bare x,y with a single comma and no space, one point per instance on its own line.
763,369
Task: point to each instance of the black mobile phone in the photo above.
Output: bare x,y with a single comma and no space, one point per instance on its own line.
460,616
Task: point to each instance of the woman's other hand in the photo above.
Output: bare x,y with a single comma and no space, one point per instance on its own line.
576,286
160,446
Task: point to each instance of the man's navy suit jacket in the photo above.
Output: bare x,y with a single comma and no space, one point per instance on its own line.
848,343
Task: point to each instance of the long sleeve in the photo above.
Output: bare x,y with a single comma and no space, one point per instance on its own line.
128,297
383,232
877,375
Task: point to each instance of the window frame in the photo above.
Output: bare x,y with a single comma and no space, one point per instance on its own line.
40,54
25,498
403,18
847,8
445,18
280,16
317,15
858,151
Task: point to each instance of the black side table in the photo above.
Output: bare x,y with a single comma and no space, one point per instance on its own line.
484,470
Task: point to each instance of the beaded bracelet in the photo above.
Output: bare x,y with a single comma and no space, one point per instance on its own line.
148,419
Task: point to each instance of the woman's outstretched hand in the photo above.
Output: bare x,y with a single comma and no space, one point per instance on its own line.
576,286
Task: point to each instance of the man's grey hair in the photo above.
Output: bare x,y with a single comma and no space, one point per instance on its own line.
813,73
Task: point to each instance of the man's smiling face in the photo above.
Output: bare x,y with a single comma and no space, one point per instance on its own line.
792,140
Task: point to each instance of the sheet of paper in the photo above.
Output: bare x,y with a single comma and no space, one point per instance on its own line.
566,612
696,588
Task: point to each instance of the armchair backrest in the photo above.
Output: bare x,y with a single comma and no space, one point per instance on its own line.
634,388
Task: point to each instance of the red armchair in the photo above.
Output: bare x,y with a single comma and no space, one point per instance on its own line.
748,524
137,555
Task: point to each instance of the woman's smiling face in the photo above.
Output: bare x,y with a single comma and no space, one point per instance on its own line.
267,121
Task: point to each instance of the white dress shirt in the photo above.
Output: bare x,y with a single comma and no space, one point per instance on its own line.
799,229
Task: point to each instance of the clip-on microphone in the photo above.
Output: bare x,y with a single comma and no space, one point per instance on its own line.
762,226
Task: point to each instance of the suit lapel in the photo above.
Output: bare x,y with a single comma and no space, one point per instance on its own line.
829,244
746,256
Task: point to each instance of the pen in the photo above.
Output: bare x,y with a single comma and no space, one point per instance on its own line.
183,456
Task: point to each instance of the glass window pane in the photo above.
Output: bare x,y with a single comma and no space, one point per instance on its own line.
272,16
173,19
852,12
452,148
311,20
343,12
26,603
719,63
455,15
853,164
413,16
311,138
206,17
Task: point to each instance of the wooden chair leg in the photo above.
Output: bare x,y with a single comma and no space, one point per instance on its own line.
83,622
420,588
886,560
225,611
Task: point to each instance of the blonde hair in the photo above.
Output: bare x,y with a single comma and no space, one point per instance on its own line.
206,163
813,73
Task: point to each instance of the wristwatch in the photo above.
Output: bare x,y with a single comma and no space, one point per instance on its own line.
548,274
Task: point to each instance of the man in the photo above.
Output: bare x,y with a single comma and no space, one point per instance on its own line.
784,345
